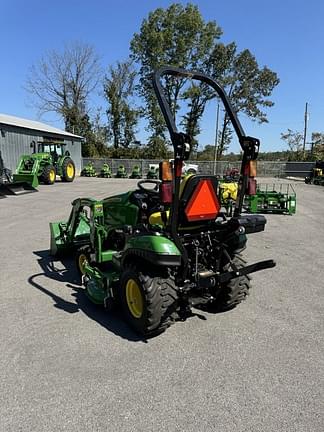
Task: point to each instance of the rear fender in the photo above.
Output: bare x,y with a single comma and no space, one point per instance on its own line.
156,250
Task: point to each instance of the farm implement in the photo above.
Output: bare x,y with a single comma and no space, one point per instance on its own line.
165,247
272,198
8,186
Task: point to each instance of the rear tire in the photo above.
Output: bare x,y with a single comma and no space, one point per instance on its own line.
48,175
68,170
148,301
236,290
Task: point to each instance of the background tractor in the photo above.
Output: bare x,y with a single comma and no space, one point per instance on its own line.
89,170
153,172
48,161
105,171
136,172
316,176
166,246
121,172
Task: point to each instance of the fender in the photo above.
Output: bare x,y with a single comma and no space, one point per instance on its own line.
155,249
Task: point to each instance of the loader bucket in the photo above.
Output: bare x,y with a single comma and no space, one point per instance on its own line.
18,188
30,179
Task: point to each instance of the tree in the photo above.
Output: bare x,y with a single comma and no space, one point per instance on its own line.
61,82
247,86
118,90
179,36
157,149
294,140
175,36
318,145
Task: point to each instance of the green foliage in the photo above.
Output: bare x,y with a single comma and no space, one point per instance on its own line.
175,36
247,85
157,149
118,89
179,36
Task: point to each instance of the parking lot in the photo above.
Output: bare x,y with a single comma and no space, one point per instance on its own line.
67,365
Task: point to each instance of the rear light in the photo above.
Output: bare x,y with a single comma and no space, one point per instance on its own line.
250,168
166,193
253,168
251,187
165,171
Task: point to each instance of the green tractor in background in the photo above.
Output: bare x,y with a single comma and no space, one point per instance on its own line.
165,247
105,171
89,170
121,172
153,172
50,160
136,173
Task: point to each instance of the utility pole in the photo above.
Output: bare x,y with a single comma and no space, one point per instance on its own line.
216,138
305,129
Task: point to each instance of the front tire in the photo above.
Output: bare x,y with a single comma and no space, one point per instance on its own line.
148,301
82,258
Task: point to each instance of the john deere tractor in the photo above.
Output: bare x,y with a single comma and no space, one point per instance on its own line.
47,161
165,247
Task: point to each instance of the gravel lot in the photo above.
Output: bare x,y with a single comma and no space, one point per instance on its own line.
66,365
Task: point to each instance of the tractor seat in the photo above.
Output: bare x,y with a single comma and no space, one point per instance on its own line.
198,202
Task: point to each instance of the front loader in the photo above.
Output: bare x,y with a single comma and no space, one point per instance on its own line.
8,186
166,247
44,164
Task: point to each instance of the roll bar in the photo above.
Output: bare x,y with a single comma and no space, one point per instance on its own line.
181,141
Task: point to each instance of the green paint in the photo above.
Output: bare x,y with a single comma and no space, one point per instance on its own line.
153,243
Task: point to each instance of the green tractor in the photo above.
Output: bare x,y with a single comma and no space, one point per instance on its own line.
136,173
121,172
165,247
153,172
45,164
89,170
105,171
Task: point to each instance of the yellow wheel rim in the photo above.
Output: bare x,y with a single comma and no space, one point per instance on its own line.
52,176
82,262
134,298
70,170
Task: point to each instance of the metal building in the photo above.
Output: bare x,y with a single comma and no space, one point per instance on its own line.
17,135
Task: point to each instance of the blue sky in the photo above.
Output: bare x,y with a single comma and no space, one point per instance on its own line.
286,35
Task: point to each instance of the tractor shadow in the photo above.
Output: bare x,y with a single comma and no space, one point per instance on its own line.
63,270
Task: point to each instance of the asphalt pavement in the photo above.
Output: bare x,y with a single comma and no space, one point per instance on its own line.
67,365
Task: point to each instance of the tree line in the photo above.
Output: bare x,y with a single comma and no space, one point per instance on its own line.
65,82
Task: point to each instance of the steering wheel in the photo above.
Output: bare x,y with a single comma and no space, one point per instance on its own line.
153,191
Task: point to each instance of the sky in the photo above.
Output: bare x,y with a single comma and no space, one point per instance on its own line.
285,35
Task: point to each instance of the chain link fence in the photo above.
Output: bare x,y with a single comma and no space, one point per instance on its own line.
264,168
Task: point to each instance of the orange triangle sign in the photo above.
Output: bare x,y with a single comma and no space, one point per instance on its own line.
203,204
